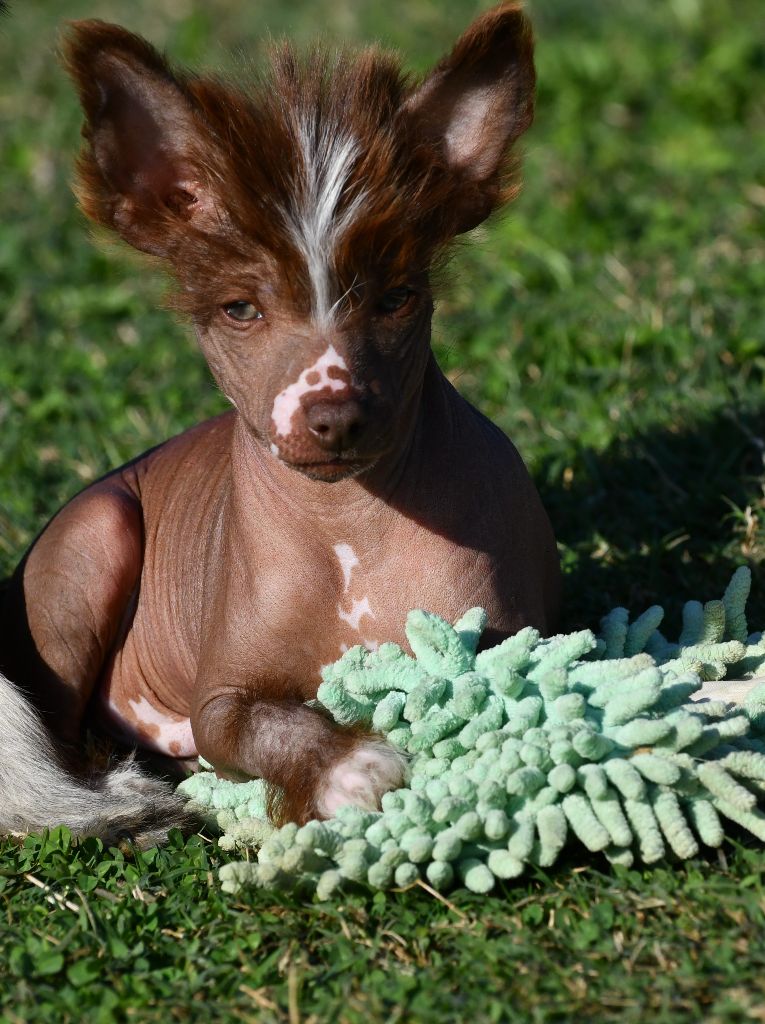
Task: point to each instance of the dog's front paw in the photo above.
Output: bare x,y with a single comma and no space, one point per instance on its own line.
361,778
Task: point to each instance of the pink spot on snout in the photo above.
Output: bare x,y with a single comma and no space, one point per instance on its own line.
328,372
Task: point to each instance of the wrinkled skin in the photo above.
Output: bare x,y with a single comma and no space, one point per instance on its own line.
187,601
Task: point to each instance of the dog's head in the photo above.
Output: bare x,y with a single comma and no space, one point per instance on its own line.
301,213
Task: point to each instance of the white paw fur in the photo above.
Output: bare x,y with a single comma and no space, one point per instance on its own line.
361,778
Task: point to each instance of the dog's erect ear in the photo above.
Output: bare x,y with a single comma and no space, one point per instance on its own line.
476,102
137,171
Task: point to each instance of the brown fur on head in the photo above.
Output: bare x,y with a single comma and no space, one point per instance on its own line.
309,194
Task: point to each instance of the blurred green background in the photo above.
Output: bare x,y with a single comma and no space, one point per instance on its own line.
613,322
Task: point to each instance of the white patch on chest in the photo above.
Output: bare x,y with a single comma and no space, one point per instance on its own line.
313,378
316,225
348,560
173,736
346,556
358,610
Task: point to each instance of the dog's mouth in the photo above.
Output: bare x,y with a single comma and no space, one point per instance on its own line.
339,467
331,465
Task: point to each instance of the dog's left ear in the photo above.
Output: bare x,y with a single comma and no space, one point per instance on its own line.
475,103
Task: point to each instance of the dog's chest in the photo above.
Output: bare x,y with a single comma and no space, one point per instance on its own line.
289,609
348,596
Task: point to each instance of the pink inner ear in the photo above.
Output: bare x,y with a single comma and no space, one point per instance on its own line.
478,132
478,119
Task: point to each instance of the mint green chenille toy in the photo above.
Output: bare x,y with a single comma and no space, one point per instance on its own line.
521,748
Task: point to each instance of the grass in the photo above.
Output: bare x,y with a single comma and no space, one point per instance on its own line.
613,324
148,938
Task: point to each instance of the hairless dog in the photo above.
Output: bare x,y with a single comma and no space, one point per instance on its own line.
186,602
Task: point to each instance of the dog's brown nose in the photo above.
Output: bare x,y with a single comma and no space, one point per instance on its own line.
336,425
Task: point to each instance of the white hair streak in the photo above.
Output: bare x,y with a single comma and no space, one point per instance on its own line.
328,154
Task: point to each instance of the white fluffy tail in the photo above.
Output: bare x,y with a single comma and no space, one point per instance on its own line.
37,792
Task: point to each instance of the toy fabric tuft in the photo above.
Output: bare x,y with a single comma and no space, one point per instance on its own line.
520,749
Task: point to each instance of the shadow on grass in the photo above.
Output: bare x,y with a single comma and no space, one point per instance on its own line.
662,516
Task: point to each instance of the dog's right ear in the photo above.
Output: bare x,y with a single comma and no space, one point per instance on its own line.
474,105
140,171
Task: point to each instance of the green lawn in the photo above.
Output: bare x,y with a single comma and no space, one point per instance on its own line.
613,323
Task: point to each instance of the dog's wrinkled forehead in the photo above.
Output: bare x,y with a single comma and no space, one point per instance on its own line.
326,162
321,172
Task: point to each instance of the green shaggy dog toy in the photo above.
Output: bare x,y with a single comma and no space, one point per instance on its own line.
615,741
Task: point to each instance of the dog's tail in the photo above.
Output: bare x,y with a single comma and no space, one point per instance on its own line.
37,792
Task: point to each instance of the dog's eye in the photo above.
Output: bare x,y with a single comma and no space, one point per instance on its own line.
242,311
396,300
